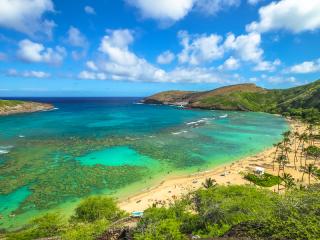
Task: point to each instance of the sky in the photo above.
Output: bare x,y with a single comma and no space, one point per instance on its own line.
140,47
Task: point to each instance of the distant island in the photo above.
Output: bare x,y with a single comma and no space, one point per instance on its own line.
9,107
244,97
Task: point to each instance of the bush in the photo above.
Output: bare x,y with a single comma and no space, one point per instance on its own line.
48,225
265,180
97,208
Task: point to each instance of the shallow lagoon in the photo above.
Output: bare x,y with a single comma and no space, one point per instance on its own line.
50,160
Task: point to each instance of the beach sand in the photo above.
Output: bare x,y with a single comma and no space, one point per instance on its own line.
175,187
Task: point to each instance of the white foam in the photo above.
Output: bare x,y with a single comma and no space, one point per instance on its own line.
178,133
224,116
21,136
4,151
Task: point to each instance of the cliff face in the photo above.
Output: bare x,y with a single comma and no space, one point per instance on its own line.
244,97
8,107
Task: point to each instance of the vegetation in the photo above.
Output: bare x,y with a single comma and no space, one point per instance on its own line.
97,208
220,211
248,97
91,219
9,103
265,180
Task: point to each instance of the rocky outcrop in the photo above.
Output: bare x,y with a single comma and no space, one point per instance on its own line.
9,107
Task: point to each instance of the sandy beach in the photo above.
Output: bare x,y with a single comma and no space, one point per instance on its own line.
173,188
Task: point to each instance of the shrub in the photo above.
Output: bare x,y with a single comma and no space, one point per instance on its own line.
97,208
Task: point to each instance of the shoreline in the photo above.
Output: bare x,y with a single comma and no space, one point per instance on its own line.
24,107
174,187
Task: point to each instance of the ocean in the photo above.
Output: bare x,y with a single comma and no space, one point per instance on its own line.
115,146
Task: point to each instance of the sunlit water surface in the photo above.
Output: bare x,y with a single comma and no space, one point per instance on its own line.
50,160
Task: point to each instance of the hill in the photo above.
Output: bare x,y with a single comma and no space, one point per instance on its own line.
8,107
244,97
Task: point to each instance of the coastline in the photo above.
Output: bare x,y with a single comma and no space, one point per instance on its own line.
24,107
175,187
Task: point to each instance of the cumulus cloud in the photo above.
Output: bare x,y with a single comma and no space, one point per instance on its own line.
198,49
230,64
165,57
169,11
212,7
89,10
120,63
26,16
27,74
280,79
291,15
35,52
164,10
247,47
267,65
305,67
76,38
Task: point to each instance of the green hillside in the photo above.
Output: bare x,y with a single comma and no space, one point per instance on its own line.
246,97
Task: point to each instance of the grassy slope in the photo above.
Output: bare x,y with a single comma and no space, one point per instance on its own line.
9,103
249,97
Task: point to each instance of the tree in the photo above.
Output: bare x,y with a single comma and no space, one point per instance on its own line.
313,152
288,181
311,170
97,208
209,182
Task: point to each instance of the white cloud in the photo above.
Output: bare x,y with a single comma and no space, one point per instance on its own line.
26,16
198,49
247,47
35,52
291,15
169,11
212,7
92,66
76,38
119,63
280,79
165,57
89,10
27,74
92,75
267,65
164,10
230,64
305,67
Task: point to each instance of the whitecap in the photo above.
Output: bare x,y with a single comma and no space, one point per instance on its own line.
223,116
3,151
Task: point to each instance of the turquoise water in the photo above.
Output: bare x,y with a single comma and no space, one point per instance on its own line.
116,156
50,160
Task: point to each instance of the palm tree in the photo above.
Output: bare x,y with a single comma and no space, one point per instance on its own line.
277,145
282,161
311,170
288,181
313,152
209,183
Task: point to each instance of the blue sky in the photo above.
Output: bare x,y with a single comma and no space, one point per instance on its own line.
139,47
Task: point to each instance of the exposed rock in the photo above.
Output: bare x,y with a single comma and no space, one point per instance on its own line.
9,107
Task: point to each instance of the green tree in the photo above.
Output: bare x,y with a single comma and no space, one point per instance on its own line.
288,181
209,182
97,208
